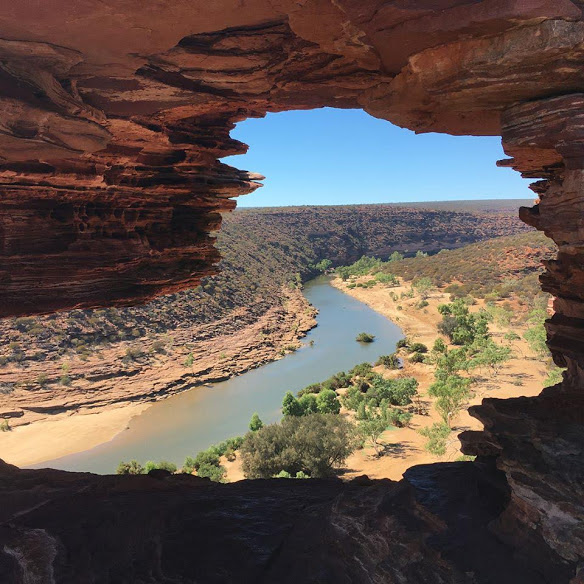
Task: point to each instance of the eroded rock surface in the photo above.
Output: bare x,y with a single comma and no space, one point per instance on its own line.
114,115
112,126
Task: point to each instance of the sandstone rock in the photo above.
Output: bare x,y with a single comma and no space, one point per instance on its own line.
110,184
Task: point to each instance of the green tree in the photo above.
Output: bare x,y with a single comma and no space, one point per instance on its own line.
536,335
451,394
291,406
323,265
365,338
437,436
423,287
371,430
327,402
255,423
308,403
490,355
316,444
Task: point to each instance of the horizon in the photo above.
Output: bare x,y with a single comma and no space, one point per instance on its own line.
394,203
330,156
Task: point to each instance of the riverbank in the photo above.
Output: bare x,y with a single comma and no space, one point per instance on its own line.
522,375
92,400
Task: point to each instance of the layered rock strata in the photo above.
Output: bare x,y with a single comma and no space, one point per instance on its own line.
114,115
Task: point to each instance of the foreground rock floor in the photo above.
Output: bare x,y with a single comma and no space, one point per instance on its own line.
58,527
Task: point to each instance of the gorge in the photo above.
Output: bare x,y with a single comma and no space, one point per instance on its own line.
114,117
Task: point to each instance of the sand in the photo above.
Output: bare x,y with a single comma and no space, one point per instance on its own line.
65,434
523,375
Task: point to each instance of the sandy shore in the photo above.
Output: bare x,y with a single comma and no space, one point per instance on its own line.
65,434
117,397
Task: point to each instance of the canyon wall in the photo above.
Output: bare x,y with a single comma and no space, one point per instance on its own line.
114,115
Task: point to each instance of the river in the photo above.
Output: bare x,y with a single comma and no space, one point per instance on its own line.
191,421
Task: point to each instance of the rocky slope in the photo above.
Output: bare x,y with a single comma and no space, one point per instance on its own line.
237,320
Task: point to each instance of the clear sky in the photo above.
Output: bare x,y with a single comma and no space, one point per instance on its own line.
328,156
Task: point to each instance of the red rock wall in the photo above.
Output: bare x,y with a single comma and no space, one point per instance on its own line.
111,127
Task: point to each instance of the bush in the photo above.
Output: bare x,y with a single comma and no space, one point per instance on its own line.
402,343
5,426
452,394
312,388
389,361
418,348
315,444
439,346
417,358
255,423
353,398
437,436
163,465
397,392
327,402
132,467
308,403
215,472
361,370
365,338
398,418
371,430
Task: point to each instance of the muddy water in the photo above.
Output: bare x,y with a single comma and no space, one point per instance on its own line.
191,421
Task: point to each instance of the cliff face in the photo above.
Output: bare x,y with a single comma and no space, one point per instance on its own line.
114,115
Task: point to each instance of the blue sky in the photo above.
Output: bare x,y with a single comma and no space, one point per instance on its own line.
328,156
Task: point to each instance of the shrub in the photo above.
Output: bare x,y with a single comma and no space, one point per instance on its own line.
439,346
389,361
386,278
327,402
437,436
371,430
452,394
308,403
397,392
291,406
158,346
353,398
555,376
365,338
133,354
42,379
189,360
417,358
312,388
398,418
5,426
210,471
132,467
315,444
402,343
255,423
361,370
418,348
163,465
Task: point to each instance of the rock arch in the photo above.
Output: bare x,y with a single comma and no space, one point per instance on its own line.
114,114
